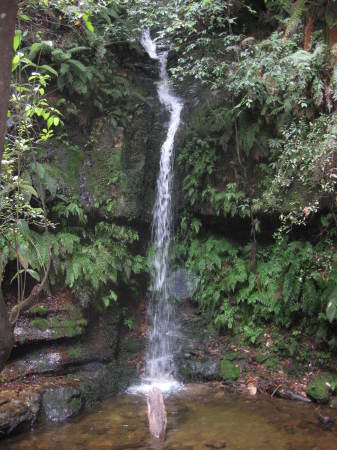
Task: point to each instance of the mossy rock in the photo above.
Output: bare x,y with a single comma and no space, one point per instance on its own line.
40,310
260,358
272,364
321,387
230,372
59,404
236,356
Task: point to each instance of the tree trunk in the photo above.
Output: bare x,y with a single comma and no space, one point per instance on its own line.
332,35
308,32
8,12
6,334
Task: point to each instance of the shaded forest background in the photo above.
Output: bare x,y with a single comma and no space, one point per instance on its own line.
256,216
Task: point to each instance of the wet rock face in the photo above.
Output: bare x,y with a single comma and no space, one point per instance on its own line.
206,369
59,404
53,379
61,358
193,360
124,162
51,320
18,412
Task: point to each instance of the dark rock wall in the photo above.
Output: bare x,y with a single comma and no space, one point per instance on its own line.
57,371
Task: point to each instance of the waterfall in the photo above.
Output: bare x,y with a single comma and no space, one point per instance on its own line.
160,364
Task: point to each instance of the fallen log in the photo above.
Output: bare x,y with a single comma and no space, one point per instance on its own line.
156,413
287,394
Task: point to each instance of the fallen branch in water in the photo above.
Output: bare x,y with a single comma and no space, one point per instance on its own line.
156,414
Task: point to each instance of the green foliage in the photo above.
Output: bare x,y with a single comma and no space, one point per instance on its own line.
41,323
294,285
40,310
99,258
41,166
75,352
272,364
230,372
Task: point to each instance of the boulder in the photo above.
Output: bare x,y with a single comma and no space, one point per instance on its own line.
18,412
61,403
205,369
321,387
61,358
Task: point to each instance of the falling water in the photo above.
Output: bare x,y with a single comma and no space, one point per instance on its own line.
160,365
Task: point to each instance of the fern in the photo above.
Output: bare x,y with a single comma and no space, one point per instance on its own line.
295,16
39,48
333,83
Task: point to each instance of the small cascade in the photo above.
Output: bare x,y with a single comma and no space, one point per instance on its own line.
160,365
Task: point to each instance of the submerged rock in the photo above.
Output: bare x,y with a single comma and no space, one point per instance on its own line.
216,444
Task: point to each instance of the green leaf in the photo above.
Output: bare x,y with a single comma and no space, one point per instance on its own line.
113,296
23,261
15,62
49,69
34,274
16,275
50,121
30,189
331,309
17,40
88,24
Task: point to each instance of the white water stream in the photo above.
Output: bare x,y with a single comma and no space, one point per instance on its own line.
159,364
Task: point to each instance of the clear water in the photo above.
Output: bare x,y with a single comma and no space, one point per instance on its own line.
199,418
160,365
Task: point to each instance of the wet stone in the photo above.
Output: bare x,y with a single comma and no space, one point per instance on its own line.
61,403
216,444
18,411
321,387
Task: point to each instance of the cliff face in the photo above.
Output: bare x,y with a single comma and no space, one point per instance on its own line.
66,358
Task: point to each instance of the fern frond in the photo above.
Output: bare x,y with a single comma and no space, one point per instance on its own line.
295,16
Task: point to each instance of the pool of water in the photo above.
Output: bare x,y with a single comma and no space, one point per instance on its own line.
200,417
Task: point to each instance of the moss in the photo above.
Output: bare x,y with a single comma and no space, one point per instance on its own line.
73,328
230,372
41,323
321,387
75,403
75,352
272,364
70,327
40,310
260,359
131,346
236,356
